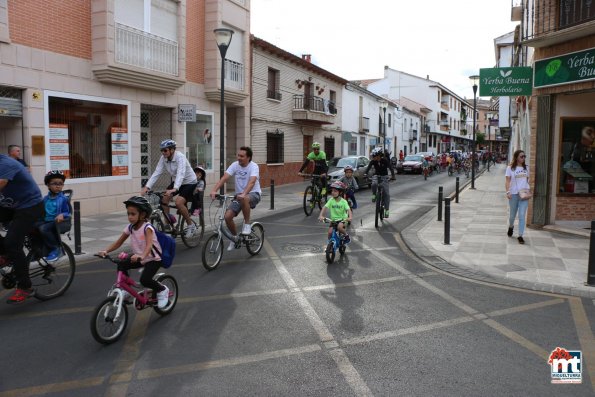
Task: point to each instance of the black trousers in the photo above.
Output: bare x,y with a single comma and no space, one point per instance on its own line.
22,221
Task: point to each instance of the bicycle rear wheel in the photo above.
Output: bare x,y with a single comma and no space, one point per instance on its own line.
51,280
255,240
309,200
172,285
212,252
377,213
105,328
194,240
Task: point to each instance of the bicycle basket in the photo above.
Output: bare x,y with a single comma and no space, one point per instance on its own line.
215,208
154,200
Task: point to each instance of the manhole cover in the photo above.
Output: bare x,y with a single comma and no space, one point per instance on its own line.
302,248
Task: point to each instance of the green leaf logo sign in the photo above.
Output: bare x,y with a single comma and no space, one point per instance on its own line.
552,68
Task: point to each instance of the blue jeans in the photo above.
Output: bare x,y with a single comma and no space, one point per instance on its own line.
517,205
351,195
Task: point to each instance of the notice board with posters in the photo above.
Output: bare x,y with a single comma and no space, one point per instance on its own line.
59,148
119,151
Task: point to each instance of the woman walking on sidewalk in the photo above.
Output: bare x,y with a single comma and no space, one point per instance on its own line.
517,178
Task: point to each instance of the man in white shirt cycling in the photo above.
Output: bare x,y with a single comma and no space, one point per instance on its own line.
178,167
247,190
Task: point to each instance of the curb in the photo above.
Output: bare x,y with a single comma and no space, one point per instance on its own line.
424,254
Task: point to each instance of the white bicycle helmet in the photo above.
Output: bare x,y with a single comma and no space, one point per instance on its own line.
377,152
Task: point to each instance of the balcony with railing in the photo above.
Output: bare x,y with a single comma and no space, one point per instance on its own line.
136,58
135,47
234,75
412,135
313,109
549,22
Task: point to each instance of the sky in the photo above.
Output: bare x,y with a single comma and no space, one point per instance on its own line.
447,40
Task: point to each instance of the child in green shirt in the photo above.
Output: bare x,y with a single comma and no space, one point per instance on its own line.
339,210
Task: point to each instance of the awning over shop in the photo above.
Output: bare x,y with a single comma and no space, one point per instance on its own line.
578,173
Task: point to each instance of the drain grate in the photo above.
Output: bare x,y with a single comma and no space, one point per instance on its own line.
302,248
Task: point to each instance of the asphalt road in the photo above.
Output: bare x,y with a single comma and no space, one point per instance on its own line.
376,322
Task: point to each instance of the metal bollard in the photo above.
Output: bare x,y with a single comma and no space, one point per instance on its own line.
447,221
591,269
457,191
77,228
272,194
440,195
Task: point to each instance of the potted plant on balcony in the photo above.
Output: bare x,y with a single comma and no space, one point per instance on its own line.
463,131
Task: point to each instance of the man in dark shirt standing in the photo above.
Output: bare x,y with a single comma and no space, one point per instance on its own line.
14,151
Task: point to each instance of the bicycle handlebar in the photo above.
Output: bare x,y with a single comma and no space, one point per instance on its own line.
117,261
312,175
329,220
224,196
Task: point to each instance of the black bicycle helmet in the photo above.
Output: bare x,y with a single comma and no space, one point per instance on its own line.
141,203
167,143
52,175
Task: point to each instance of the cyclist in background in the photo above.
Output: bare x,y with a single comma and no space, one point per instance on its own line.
350,185
320,166
381,167
21,204
178,167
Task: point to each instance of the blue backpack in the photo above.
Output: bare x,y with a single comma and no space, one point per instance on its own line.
168,246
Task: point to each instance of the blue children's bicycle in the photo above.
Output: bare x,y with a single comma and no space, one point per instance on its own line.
336,242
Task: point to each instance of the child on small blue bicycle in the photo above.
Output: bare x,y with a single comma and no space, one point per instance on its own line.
350,185
339,210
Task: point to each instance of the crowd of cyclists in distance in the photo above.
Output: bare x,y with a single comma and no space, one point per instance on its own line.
455,161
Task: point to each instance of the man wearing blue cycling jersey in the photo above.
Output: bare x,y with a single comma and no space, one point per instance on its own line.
21,205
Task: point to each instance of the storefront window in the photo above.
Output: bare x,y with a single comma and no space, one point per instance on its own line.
87,138
199,141
577,165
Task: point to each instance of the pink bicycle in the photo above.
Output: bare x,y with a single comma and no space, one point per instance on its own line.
111,316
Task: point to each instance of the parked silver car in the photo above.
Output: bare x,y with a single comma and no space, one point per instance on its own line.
359,164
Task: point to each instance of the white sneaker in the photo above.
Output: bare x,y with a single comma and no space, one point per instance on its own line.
246,229
232,244
163,298
190,230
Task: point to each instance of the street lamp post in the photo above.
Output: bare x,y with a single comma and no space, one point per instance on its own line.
223,37
384,129
474,79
